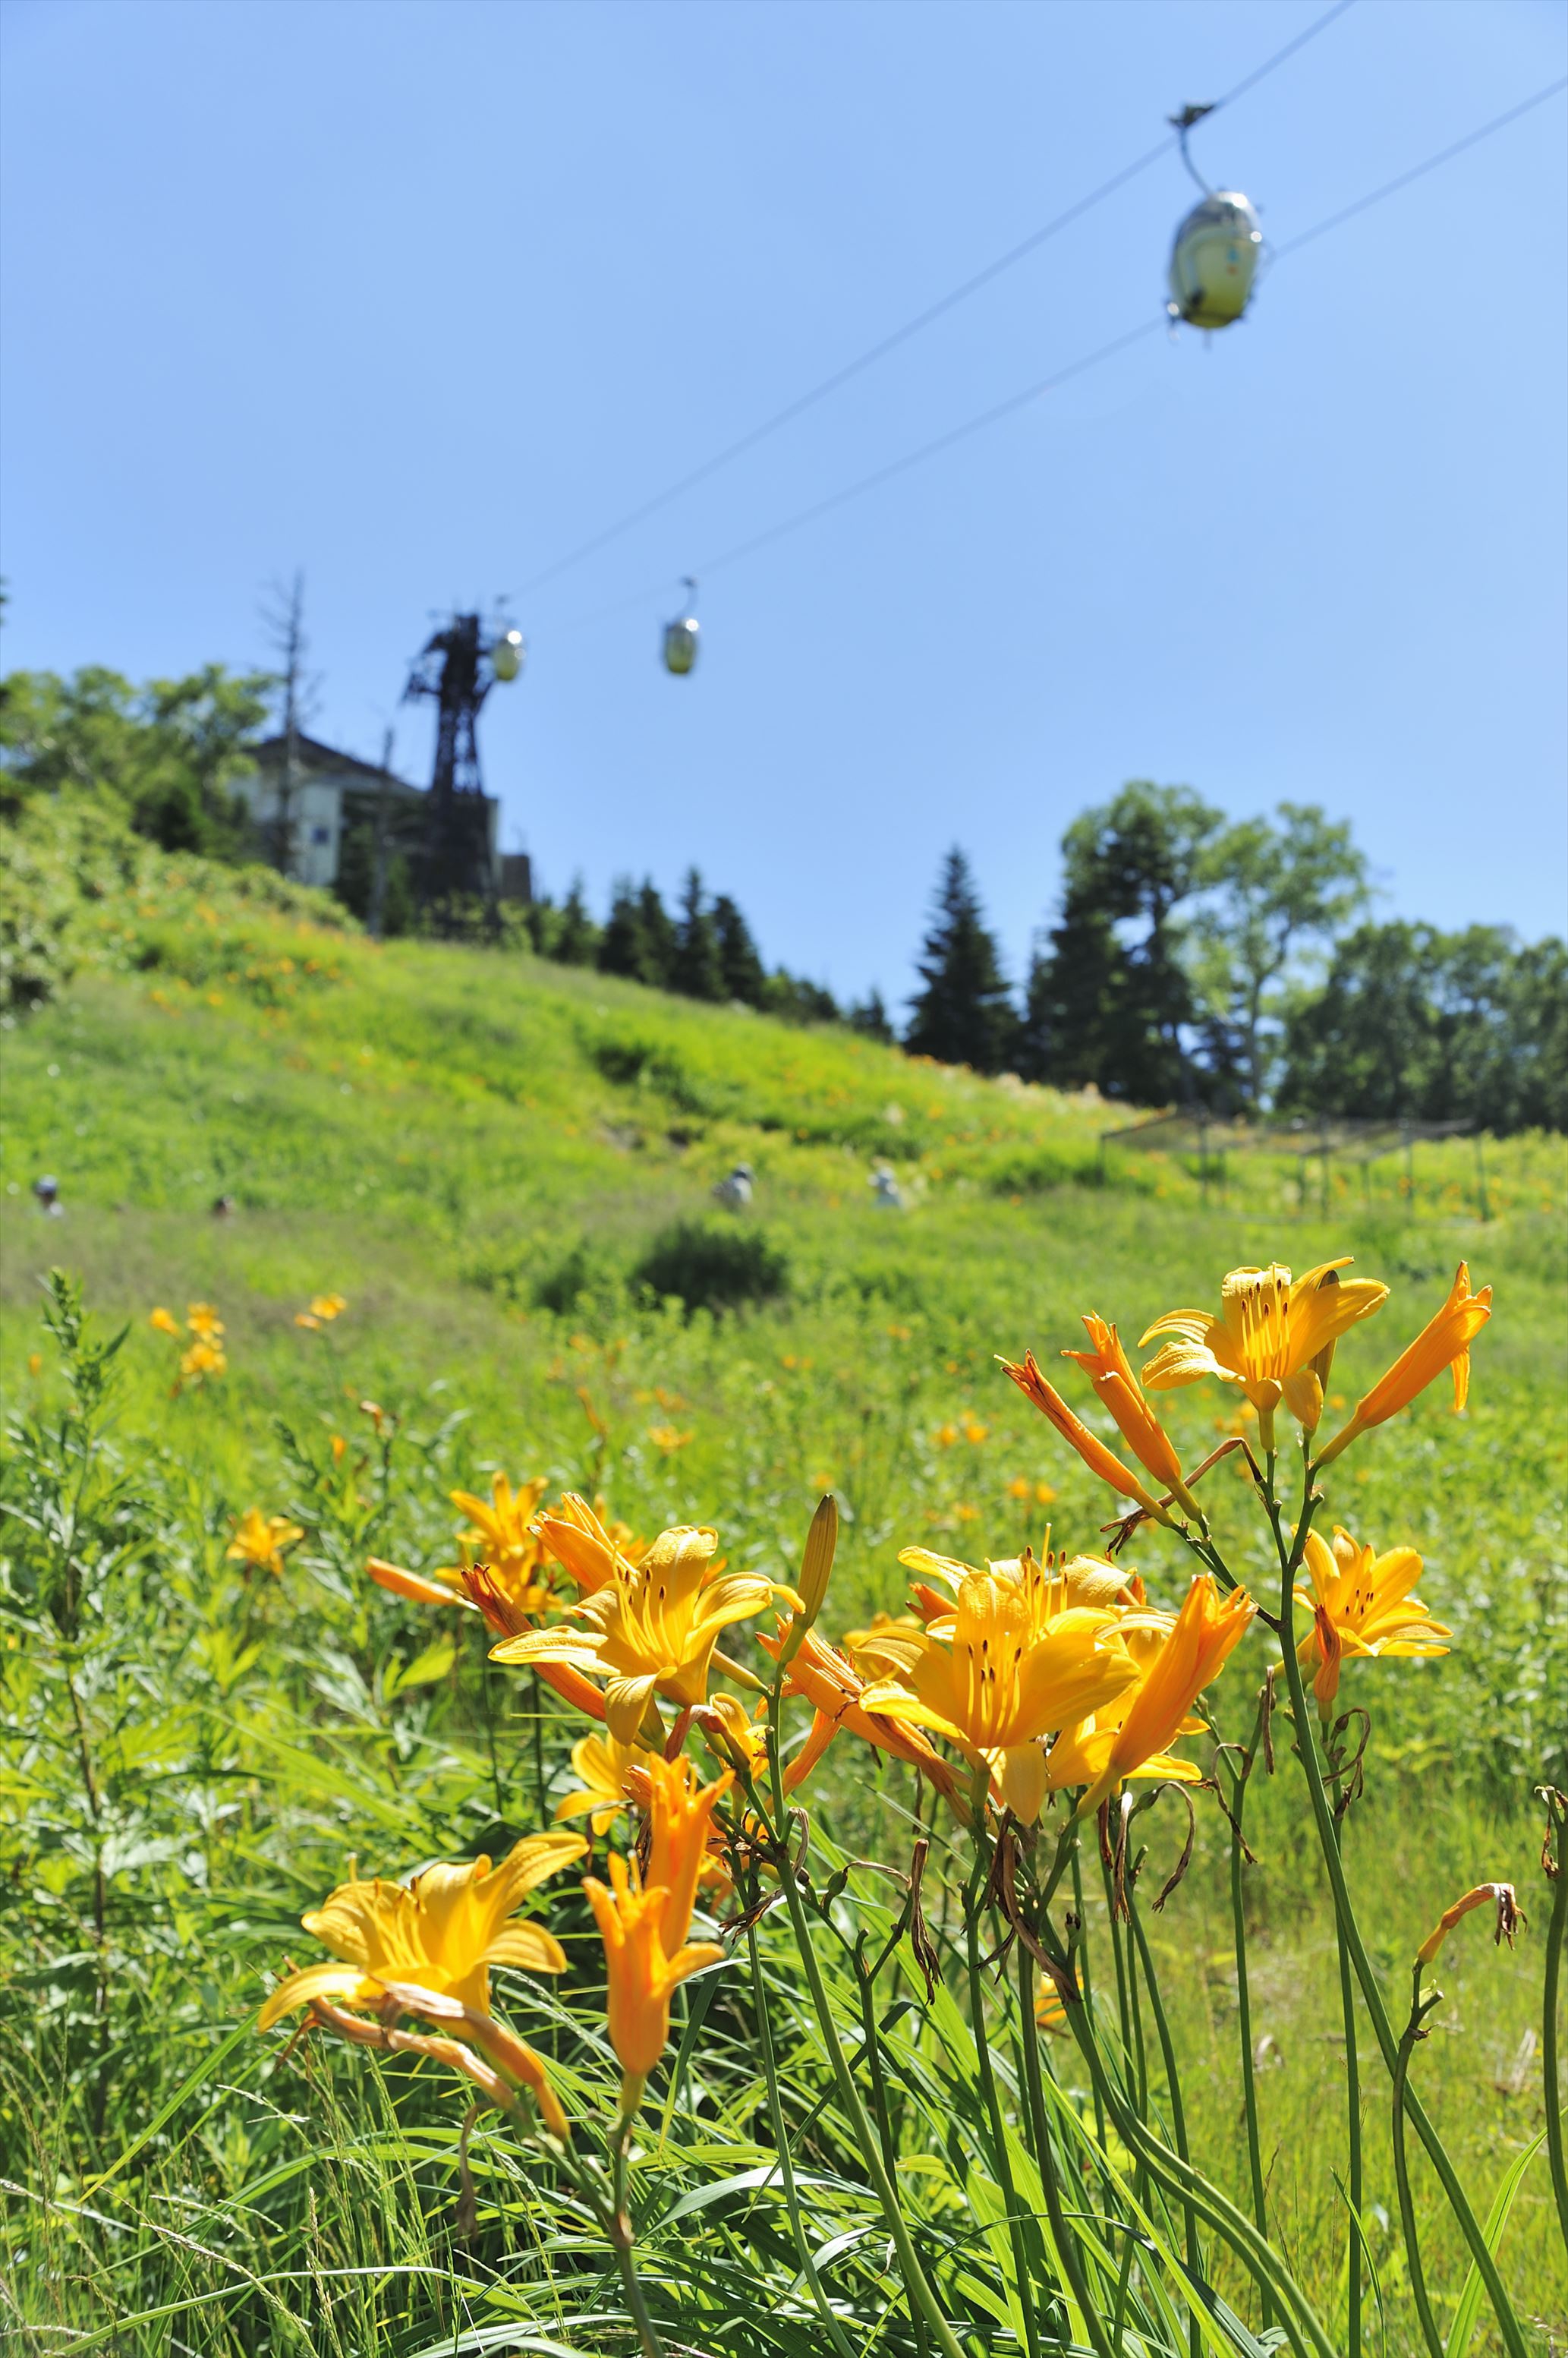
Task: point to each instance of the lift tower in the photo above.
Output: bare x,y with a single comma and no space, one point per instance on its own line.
459,667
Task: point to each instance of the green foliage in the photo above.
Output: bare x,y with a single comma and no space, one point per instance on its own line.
166,753
427,1132
1436,1027
962,1014
713,1265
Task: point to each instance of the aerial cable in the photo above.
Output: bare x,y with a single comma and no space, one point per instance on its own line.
1417,171
1005,408
921,319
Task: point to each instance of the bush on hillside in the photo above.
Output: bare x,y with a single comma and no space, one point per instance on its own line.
708,1266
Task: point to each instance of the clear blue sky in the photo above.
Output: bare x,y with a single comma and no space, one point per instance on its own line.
416,294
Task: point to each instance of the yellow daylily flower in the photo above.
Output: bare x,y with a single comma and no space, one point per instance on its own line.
642,1973
651,1628
166,1322
602,1766
584,1543
328,1306
202,1361
1270,1329
1011,1664
203,1321
1444,1342
499,1538
1133,1736
1361,1604
441,1931
259,1541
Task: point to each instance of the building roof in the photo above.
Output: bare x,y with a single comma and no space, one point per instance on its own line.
314,755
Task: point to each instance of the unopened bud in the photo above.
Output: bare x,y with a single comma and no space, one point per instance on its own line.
816,1568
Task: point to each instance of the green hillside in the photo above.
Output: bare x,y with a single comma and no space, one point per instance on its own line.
505,1168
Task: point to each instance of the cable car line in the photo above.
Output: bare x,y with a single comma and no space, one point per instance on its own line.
924,318
1013,402
1417,171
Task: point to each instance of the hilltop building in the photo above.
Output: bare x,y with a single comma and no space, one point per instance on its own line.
337,795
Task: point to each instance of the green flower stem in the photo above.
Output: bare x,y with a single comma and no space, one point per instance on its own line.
1173,2086
1557,1812
1353,2128
993,2106
1062,2235
623,2239
1419,2008
1312,1768
830,2325
1244,1991
1178,2177
915,2277
916,2284
1085,1983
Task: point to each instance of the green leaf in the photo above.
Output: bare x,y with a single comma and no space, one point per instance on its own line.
1464,2323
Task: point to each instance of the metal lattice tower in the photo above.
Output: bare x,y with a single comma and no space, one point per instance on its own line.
455,667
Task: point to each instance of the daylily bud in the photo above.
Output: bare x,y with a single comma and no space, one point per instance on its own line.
816,1568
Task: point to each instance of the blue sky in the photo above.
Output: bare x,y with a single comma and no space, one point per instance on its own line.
417,296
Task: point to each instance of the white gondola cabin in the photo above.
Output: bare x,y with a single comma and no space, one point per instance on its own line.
508,655
1214,260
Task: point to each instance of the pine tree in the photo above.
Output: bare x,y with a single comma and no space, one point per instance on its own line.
869,1015
577,936
695,969
659,937
963,1015
739,962
621,944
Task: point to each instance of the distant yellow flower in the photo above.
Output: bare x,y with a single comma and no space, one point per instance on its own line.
441,1930
259,1541
1444,1342
1099,1460
642,1975
1362,1604
601,1765
945,1435
328,1306
312,1325
1135,1738
35,1363
651,1628
202,1362
203,1321
668,1437
166,1324
502,1532
1270,1329
1013,1662
974,1431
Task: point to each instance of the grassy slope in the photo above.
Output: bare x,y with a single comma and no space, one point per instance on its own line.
431,1132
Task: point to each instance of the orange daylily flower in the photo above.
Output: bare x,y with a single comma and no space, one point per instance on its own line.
1362,1605
642,1975
441,1930
1076,1434
1109,1370
1272,1329
1155,1712
259,1541
1444,1342
835,1689
1013,1662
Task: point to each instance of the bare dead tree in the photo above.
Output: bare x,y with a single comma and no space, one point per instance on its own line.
284,620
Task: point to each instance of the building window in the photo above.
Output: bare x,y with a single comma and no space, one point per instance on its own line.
320,835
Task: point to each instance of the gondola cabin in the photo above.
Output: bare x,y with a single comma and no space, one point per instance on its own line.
1214,260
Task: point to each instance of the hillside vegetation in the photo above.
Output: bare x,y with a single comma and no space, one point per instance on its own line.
504,1168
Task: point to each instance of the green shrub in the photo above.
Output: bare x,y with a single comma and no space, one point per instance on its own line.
711,1267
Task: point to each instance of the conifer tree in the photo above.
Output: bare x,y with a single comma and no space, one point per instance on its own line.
739,963
869,1015
659,937
621,944
962,1015
695,969
577,936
